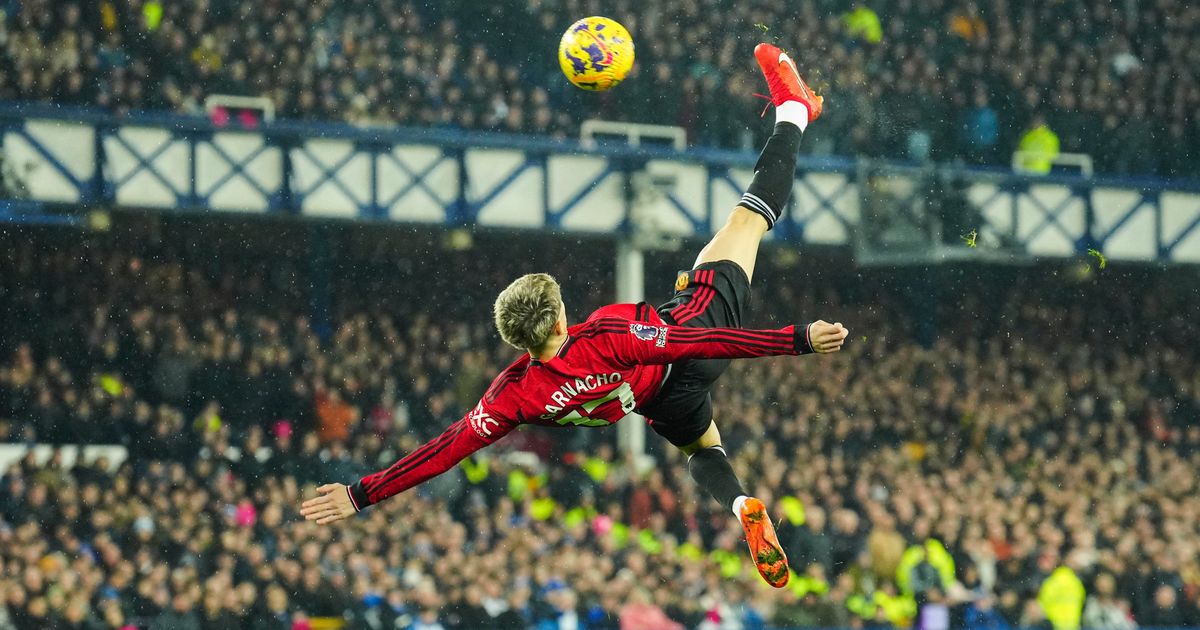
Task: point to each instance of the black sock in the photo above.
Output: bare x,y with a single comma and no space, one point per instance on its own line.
710,468
774,174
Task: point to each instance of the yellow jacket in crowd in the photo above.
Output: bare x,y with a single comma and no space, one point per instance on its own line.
1061,598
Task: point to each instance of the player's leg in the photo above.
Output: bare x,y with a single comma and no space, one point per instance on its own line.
709,465
765,199
682,413
714,293
737,241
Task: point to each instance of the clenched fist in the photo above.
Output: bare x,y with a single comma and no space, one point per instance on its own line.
825,337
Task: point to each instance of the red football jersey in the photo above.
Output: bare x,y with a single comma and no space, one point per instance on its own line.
611,364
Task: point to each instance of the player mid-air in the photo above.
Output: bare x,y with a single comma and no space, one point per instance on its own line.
660,362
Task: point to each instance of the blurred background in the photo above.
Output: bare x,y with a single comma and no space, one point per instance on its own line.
247,248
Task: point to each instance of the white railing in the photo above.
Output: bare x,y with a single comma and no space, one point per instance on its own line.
1081,161
632,132
230,102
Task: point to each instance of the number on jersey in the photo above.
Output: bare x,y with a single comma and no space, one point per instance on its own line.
579,415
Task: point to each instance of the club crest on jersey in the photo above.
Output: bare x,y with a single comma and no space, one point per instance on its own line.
681,282
645,332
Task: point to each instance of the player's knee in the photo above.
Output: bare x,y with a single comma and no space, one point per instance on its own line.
743,218
710,439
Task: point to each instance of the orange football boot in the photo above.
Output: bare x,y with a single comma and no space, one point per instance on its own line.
784,80
768,556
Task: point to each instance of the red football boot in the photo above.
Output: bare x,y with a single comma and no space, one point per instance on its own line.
784,80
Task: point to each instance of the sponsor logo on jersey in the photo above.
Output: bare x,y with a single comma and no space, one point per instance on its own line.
479,421
645,332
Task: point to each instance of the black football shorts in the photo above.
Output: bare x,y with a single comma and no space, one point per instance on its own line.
713,295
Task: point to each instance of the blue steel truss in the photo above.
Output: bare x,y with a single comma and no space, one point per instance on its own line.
351,190
237,169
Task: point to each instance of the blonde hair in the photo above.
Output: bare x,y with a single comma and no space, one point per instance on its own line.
526,310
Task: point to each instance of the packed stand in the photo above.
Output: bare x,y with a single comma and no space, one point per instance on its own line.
944,80
1048,436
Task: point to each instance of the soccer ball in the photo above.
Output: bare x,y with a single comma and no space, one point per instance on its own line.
596,53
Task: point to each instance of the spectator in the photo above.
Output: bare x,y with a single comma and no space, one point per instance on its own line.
1103,610
846,538
566,613
808,543
335,416
1038,147
518,614
885,546
863,23
427,620
181,616
1165,612
275,613
641,614
981,614
968,24
933,614
1061,598
981,130
1136,136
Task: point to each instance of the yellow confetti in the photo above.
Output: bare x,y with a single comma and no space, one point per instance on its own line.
969,239
1098,256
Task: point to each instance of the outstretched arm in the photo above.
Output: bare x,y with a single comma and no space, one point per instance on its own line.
474,431
637,343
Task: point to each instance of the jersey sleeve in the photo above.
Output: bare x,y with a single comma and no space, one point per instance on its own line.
636,343
479,428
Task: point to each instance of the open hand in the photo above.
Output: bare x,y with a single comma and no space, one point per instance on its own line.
825,337
333,505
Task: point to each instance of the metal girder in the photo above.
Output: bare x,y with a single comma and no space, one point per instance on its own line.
518,183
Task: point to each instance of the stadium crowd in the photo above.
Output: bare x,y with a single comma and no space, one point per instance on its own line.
942,79
1037,459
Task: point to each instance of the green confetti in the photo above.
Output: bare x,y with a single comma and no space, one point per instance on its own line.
864,338
1099,256
762,26
969,239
